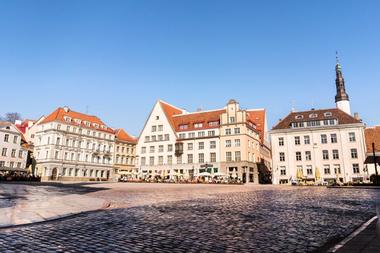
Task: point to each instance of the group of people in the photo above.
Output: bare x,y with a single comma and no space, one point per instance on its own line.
18,176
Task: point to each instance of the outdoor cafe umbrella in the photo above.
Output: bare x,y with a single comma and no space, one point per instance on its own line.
219,174
299,173
204,174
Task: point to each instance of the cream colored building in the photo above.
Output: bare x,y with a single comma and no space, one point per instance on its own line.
175,143
72,146
125,155
320,145
13,154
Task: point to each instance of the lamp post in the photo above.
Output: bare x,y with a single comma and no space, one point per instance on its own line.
375,162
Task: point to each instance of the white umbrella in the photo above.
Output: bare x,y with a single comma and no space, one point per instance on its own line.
219,174
204,174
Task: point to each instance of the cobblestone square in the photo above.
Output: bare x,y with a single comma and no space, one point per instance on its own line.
202,218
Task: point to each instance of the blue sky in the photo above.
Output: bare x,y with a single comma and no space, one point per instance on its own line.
116,58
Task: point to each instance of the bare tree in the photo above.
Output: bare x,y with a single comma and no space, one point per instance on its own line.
12,117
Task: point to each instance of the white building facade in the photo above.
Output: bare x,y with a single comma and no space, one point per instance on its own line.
72,146
320,145
178,144
13,154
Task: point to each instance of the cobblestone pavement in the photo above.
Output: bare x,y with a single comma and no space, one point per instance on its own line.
272,219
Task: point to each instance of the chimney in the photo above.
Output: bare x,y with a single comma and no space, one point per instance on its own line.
356,116
66,109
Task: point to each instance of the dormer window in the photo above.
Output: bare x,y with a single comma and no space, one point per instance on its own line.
183,126
67,119
198,125
328,114
299,117
78,121
213,123
88,123
313,115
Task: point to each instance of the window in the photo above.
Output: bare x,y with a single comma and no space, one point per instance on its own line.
154,128
309,170
355,168
297,140
212,144
157,117
13,153
228,156
237,142
213,157
160,128
282,157
189,158
228,143
56,154
327,169
2,164
182,136
192,135
237,130
161,148
198,125
306,139
333,138
11,164
201,158
323,138
354,153
282,171
20,154
160,137
190,146
143,160
4,152
15,139
151,149
151,160
313,115
153,138
166,137
298,156
213,123
352,137
201,145
211,133
183,127
170,147
335,153
201,134
232,119
170,159
281,141
237,156
179,159
228,131
327,114
325,154
337,169
299,117
308,155
160,160
147,138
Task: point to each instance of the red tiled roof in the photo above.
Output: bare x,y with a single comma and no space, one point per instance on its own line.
58,115
170,111
124,136
197,117
257,117
372,135
342,117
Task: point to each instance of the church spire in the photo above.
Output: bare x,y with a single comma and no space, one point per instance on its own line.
341,98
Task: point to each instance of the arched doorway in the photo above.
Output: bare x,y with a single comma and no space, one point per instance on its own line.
54,174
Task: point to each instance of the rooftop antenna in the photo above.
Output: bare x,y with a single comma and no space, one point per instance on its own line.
336,57
293,105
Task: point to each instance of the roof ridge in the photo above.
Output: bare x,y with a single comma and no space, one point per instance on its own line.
198,112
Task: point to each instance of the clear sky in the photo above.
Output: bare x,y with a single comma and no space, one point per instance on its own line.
116,58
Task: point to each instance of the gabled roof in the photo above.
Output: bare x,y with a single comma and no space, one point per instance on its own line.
170,111
197,117
60,113
258,118
342,117
372,135
124,136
